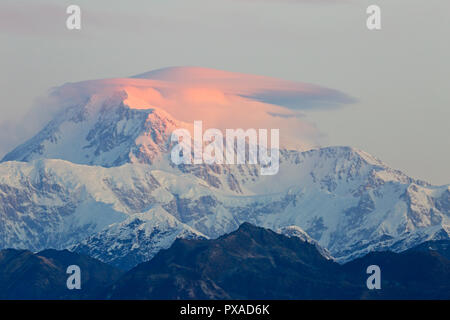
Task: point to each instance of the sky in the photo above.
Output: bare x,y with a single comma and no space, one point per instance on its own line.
397,77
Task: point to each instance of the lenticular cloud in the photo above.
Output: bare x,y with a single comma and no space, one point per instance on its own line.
218,98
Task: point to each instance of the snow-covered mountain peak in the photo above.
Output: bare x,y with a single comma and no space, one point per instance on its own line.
136,239
102,131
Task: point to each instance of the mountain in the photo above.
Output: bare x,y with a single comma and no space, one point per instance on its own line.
25,275
98,179
100,131
250,263
256,263
136,239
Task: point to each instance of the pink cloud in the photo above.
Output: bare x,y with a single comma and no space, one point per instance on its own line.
220,99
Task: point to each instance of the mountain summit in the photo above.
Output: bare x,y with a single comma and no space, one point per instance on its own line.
103,132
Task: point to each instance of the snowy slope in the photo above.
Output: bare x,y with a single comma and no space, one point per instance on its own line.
137,239
54,203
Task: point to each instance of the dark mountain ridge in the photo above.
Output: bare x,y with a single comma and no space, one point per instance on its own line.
249,263
256,263
34,276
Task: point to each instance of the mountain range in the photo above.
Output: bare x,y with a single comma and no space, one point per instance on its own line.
98,180
249,263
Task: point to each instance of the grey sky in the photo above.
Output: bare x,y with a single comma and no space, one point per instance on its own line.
399,75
